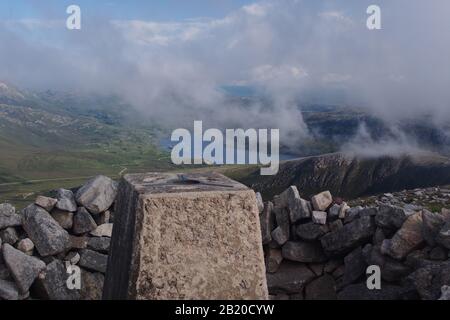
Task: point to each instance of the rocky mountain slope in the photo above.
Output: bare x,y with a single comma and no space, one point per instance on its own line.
351,176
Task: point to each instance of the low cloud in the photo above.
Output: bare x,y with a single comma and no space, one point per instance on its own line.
292,51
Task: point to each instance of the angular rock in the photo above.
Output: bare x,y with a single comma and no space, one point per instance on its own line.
310,231
24,269
267,222
259,202
78,242
47,235
343,210
352,214
393,270
64,218
323,288
25,245
291,277
429,280
438,254
66,200
282,218
348,237
8,290
98,194
103,217
307,252
273,260
280,236
91,285
432,224
100,244
333,212
298,208
301,209
46,203
322,201
9,235
93,260
445,293
319,217
443,237
83,222
52,283
105,230
8,216
390,217
378,237
405,240
370,211
4,271
355,266
336,225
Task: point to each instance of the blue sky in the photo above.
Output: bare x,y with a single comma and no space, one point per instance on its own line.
158,10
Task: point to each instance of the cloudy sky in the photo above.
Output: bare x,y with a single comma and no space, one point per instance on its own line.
170,58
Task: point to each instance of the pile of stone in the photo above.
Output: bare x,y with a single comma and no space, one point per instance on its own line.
39,243
411,200
321,249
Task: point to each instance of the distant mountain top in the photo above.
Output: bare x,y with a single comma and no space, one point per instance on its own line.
351,176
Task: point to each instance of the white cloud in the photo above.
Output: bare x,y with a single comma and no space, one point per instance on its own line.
290,49
256,9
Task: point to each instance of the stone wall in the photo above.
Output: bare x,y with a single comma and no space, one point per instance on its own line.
320,249
316,248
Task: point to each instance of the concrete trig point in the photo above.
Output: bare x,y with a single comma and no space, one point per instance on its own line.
179,236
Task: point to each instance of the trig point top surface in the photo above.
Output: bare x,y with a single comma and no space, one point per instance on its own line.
163,182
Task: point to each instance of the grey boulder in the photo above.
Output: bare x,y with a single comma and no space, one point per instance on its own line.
349,236
98,194
9,235
46,203
66,200
100,244
299,251
290,277
83,222
52,284
91,285
24,268
406,239
390,217
8,290
47,235
92,260
8,216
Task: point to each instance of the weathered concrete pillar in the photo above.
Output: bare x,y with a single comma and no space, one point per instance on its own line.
193,236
